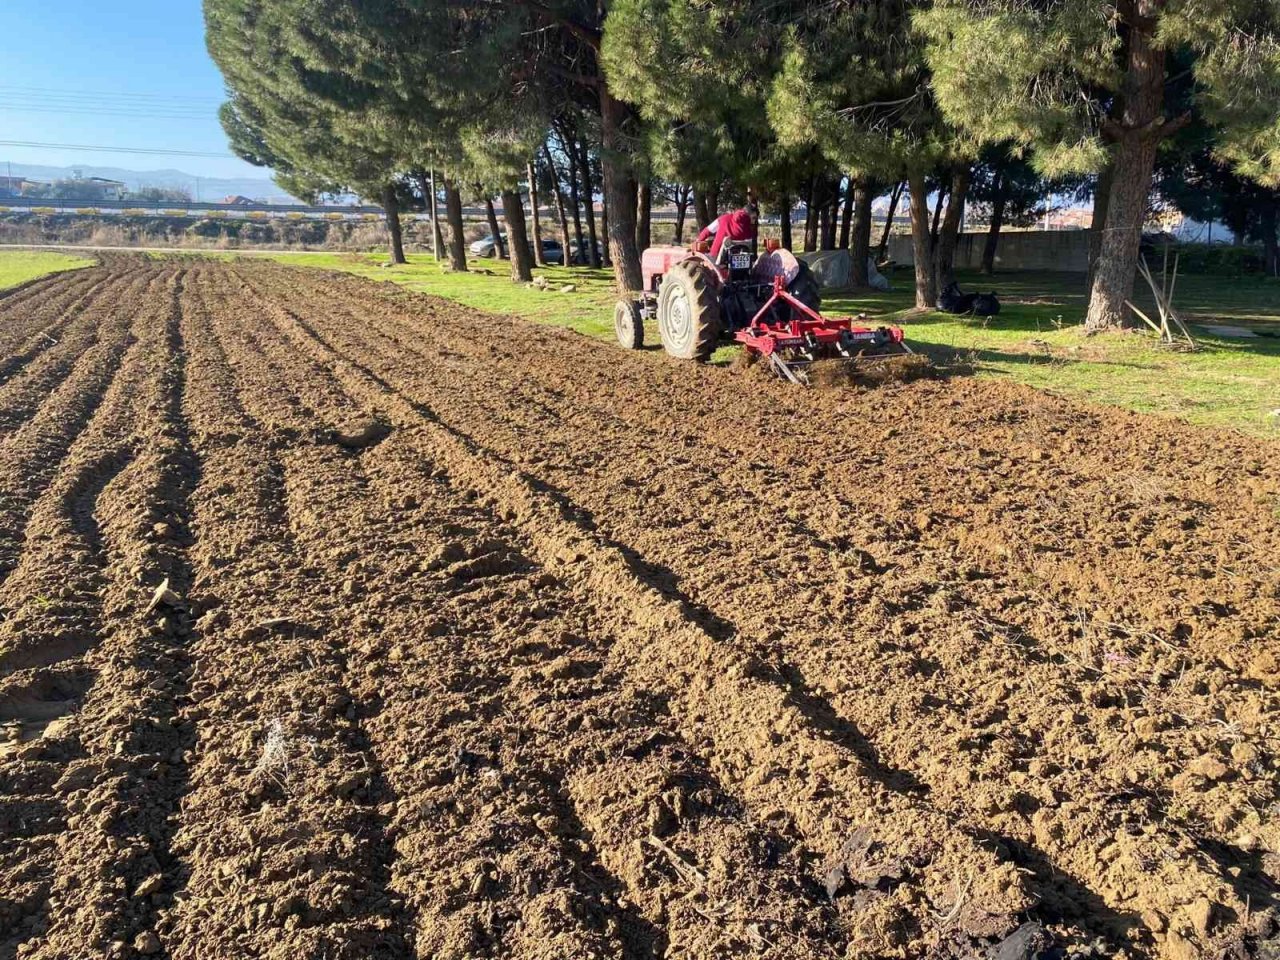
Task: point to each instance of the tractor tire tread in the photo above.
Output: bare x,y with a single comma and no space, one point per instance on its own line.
706,313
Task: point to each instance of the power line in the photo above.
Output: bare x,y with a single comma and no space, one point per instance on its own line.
135,150
50,91
94,99
108,112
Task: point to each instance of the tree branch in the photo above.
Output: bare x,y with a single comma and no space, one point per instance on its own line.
588,35
581,78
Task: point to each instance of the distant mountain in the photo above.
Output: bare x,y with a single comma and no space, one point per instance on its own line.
203,188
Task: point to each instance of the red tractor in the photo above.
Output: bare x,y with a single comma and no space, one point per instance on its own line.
769,304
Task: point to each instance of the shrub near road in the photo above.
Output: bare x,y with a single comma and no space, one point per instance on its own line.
341,621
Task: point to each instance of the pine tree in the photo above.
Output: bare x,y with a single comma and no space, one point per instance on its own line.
1090,87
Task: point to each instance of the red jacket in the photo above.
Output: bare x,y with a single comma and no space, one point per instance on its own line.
732,226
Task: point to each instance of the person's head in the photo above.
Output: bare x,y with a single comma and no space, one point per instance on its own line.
753,208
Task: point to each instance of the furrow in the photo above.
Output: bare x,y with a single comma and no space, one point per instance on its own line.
279,833
506,852
26,388
71,572
24,341
30,457
734,698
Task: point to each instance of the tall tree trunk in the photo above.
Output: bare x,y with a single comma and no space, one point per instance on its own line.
784,216
517,236
457,238
846,213
701,212
824,227
606,257
1098,225
862,190
713,201
1269,223
589,203
560,212
937,213
1137,135
392,208
499,248
683,196
833,217
926,288
644,215
536,240
894,196
574,201
811,218
949,234
620,194
998,200
1118,255
437,235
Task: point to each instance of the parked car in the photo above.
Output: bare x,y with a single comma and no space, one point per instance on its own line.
580,254
552,252
485,247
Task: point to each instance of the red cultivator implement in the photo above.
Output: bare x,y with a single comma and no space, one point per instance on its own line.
805,336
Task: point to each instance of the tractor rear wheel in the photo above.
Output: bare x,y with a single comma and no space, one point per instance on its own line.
628,325
688,312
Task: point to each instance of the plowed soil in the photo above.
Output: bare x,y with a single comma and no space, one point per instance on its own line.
339,622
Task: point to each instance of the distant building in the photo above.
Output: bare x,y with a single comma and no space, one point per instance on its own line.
16,186
103,189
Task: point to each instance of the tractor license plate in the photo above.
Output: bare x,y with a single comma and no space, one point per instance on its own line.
739,261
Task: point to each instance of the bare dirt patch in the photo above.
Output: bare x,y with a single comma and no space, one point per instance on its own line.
485,639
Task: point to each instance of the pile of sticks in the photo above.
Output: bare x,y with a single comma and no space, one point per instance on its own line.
1163,293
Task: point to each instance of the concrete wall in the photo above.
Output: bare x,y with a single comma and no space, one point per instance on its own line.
1022,250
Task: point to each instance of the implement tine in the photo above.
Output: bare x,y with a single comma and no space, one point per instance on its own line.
783,369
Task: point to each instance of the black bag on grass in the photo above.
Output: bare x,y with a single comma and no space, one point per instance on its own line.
954,300
986,304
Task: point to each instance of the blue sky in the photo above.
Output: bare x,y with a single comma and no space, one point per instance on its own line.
129,73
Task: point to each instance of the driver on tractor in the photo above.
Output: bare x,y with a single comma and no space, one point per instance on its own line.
736,225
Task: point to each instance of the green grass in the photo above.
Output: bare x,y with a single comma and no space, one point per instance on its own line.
1037,338
19,266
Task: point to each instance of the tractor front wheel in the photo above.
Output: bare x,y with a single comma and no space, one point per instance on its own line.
628,324
688,312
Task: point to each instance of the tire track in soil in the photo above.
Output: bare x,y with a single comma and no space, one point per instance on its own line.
753,716
501,875
1127,822
122,477
281,839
